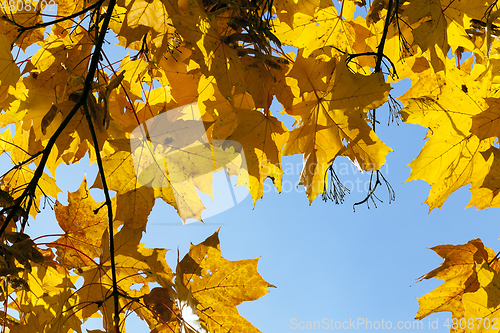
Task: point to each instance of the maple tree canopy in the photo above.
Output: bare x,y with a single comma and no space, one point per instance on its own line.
192,96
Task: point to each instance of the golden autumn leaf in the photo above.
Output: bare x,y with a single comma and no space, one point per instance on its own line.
219,285
61,63
50,303
182,77
287,9
65,8
132,69
83,222
76,139
432,29
9,73
139,176
264,77
23,175
326,28
262,137
318,67
487,123
135,265
215,57
442,24
161,302
133,202
459,273
485,184
451,155
333,122
483,305
23,138
27,16
39,102
134,20
305,34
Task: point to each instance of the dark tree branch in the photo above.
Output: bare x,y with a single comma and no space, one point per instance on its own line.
378,68
110,218
380,49
29,191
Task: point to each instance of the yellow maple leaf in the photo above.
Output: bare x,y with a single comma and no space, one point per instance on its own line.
459,273
325,28
133,202
76,139
25,15
485,185
239,124
442,23
211,51
262,137
43,115
265,77
135,74
135,266
144,24
39,102
446,105
20,177
160,301
24,145
219,285
66,8
287,9
49,304
314,72
135,198
481,308
333,122
61,63
9,71
431,31
487,123
83,222
185,82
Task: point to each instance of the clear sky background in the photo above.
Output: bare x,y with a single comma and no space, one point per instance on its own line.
328,262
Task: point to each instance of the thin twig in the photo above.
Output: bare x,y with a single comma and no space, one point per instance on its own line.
21,29
20,164
110,217
378,67
494,258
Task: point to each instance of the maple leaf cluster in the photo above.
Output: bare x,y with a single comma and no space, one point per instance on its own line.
201,296
222,64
